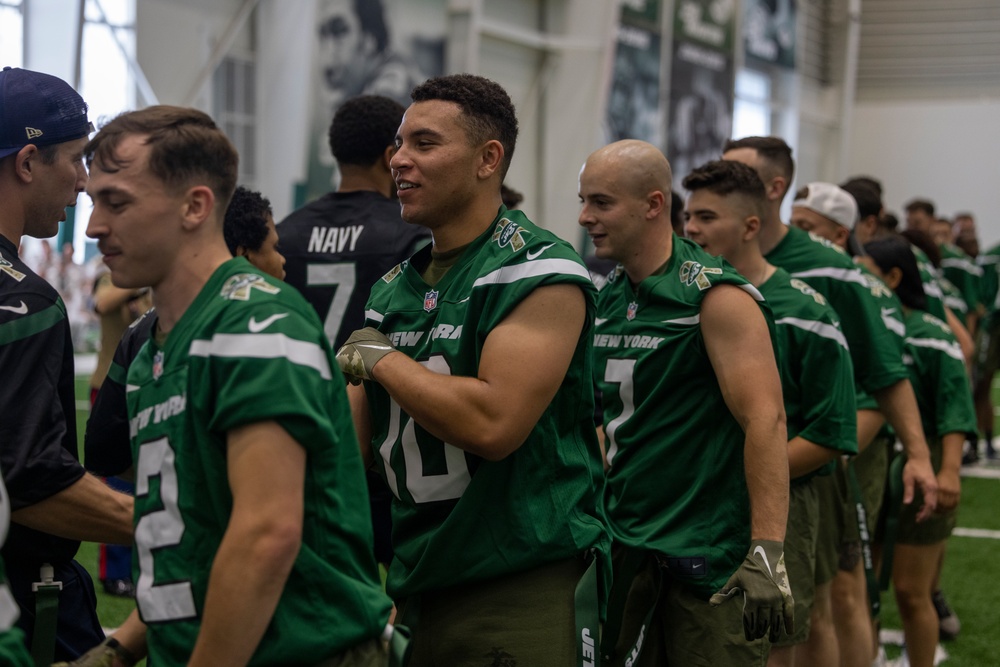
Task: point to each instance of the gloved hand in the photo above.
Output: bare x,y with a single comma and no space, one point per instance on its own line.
360,352
108,653
767,599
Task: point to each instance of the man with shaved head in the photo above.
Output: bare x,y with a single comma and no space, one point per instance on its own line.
697,488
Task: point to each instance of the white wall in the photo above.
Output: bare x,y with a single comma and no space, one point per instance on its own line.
946,151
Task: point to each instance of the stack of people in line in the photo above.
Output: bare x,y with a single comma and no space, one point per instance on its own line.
720,458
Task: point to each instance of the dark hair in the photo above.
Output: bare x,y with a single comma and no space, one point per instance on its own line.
893,252
888,221
677,213
245,223
511,198
48,153
363,127
185,145
371,16
867,197
726,177
921,205
775,152
924,241
872,183
486,107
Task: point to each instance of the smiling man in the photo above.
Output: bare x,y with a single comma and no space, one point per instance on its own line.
478,404
54,504
252,543
697,489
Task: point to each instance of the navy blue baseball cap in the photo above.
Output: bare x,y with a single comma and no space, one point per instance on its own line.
39,109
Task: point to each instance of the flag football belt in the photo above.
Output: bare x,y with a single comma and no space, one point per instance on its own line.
894,502
874,602
633,562
43,640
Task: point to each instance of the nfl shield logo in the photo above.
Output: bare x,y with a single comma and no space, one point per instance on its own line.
431,300
632,307
158,365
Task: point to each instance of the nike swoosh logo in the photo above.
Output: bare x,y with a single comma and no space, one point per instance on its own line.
888,311
534,255
764,556
695,566
20,310
257,327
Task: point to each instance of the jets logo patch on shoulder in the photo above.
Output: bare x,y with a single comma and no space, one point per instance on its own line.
393,272
696,273
822,241
806,289
878,288
8,268
239,287
508,232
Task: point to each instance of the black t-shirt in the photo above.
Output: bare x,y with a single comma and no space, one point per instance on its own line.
107,445
338,246
38,448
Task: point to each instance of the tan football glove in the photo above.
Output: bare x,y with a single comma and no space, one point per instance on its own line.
767,599
360,352
108,653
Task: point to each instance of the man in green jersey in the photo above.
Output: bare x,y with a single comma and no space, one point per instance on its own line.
478,403
697,489
252,547
957,267
875,338
724,208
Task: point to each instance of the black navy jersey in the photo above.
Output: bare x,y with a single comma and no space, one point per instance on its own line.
38,408
337,247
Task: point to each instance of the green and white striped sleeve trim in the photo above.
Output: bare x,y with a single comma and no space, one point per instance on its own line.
533,269
962,264
843,275
264,346
951,349
821,329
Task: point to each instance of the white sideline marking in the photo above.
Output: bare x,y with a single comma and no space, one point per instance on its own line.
895,638
977,532
982,470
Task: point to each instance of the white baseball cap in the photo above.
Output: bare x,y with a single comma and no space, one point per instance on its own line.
831,202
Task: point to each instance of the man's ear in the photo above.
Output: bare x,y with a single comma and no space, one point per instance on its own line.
752,227
491,159
776,188
655,202
199,202
387,154
25,161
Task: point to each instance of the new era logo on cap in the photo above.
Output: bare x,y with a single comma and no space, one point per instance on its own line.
40,109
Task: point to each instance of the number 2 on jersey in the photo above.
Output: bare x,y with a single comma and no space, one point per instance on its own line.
342,276
157,530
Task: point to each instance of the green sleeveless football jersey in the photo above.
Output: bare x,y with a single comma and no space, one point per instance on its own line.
458,518
13,652
989,285
817,377
869,316
961,271
677,484
940,381
932,287
248,349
